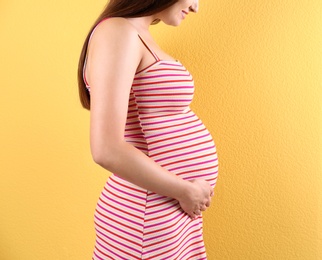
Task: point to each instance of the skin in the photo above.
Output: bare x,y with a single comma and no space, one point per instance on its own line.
114,49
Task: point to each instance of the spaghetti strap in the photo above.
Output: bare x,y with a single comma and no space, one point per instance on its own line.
85,61
149,49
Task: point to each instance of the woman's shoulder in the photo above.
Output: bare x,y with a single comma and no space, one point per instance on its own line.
115,38
115,27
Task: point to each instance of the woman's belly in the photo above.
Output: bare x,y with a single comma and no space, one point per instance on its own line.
181,144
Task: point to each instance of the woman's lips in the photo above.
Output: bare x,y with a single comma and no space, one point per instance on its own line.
184,13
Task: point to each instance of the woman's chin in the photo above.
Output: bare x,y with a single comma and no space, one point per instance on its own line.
175,23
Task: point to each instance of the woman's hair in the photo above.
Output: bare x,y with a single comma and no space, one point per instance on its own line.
117,8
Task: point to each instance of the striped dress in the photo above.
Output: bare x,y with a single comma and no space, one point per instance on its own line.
134,223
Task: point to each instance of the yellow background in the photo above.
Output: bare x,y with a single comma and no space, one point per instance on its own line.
258,72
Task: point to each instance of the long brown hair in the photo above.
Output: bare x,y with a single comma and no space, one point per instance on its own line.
117,8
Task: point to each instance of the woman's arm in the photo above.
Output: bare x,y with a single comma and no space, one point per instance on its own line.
115,52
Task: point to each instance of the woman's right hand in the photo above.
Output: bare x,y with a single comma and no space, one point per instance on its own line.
196,197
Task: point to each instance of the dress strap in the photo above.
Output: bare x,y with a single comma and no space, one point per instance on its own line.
149,49
85,61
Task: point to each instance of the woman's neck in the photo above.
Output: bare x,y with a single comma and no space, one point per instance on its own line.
142,24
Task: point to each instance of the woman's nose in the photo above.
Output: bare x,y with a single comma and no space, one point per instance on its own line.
194,6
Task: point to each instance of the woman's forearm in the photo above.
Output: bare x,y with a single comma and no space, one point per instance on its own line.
132,165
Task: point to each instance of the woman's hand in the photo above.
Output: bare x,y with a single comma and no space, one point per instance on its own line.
196,198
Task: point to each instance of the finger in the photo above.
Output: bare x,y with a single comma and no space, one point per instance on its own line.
203,208
193,216
207,202
197,212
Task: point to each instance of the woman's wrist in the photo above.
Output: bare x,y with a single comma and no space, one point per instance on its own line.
182,189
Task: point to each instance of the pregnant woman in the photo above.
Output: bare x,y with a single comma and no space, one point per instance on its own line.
162,158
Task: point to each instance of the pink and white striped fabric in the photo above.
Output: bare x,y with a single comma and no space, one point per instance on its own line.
134,223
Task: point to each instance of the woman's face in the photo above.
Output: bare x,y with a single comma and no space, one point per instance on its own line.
174,14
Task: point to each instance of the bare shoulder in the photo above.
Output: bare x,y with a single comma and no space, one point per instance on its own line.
114,48
116,29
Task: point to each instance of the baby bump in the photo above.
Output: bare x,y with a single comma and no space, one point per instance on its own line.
189,152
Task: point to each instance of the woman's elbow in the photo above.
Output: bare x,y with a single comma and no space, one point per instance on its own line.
103,156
